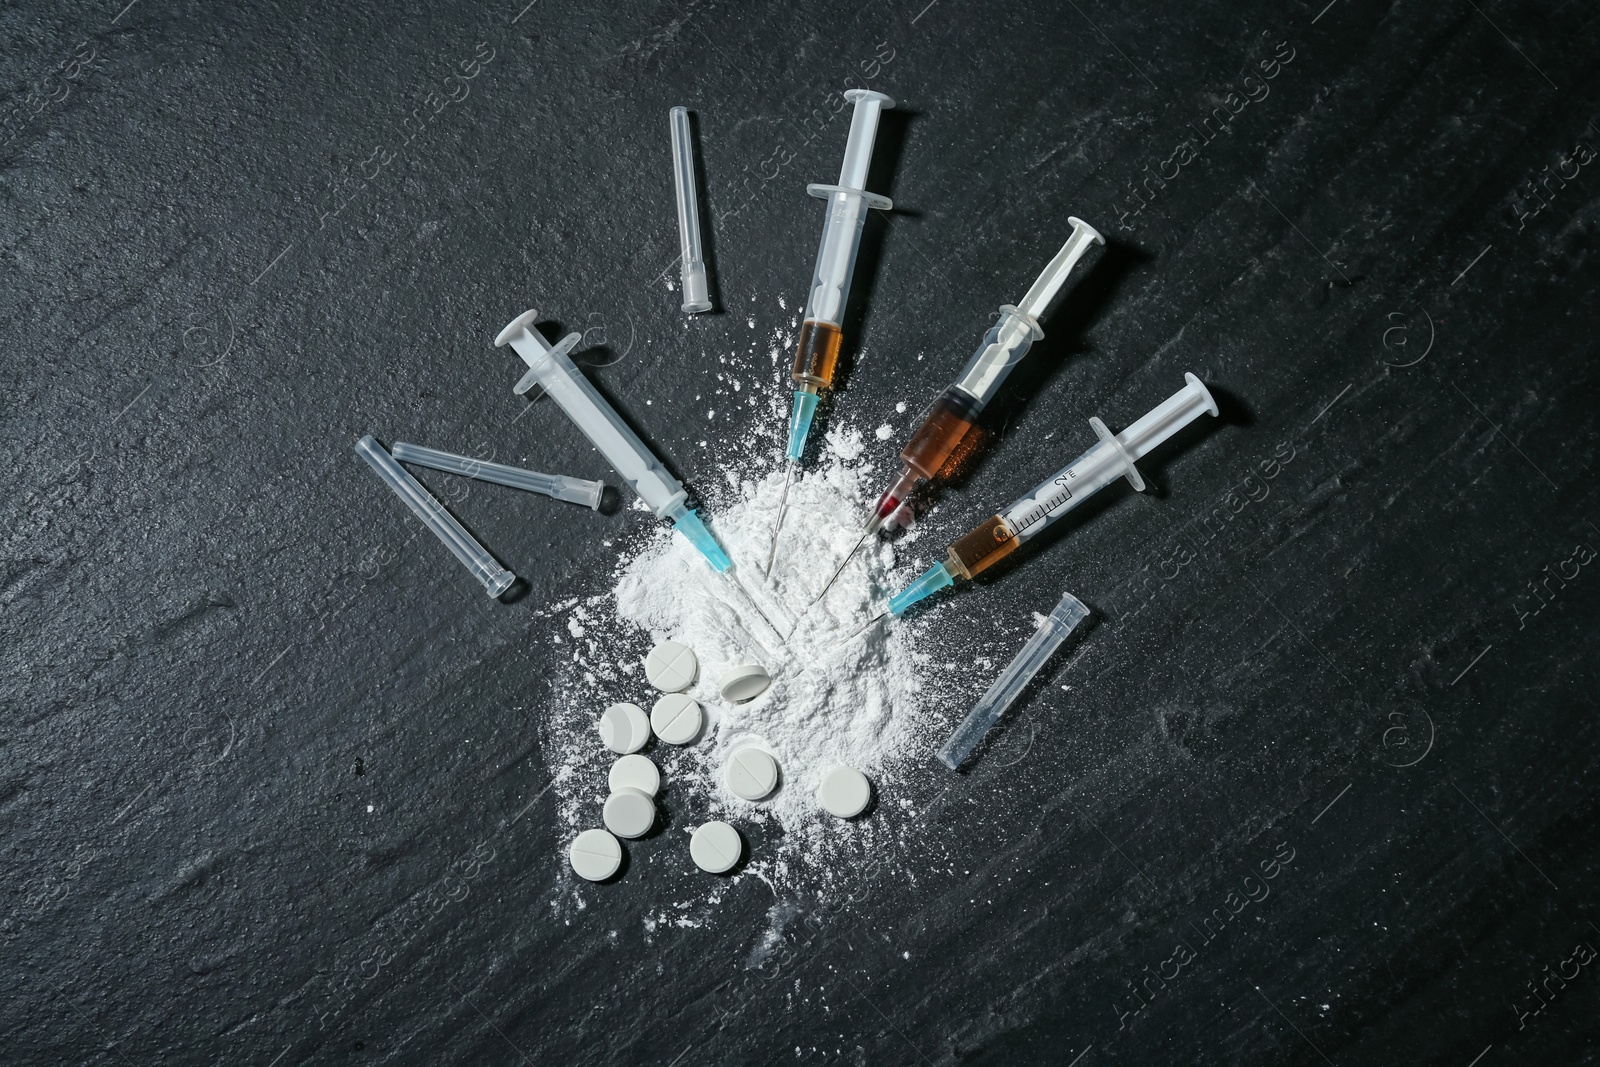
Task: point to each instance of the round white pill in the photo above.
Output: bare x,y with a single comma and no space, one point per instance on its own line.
745,682
624,727
595,855
676,719
635,772
629,813
844,792
671,666
751,774
716,847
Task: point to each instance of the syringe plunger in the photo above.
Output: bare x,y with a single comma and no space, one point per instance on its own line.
847,212
1168,417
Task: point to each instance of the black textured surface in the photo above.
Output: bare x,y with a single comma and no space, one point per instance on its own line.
235,238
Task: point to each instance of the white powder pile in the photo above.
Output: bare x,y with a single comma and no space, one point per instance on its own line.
843,691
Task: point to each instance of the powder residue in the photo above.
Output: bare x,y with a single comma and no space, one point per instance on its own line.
845,689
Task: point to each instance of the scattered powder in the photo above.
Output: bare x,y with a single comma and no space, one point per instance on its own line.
840,694
901,407
885,432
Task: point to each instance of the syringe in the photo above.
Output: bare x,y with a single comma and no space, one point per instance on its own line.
954,413
1114,457
816,357
1018,673
549,366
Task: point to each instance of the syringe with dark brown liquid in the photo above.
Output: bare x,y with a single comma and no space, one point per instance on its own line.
816,357
954,413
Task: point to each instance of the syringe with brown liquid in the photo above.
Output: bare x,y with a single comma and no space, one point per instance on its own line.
996,538
816,357
954,413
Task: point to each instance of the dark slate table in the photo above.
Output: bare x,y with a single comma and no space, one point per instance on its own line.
1323,790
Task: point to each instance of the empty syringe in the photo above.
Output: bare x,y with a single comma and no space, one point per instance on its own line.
816,357
550,366
1113,457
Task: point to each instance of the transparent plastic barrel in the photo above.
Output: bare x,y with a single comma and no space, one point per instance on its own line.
836,257
1064,490
594,415
1003,347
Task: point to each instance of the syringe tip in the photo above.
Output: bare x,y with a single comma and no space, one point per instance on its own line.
800,416
695,532
932,580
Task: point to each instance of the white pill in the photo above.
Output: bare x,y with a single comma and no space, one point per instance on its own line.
671,667
844,792
716,847
751,774
629,813
624,727
745,682
595,855
635,772
676,719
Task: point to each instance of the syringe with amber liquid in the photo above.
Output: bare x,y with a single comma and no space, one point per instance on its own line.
993,540
816,357
953,414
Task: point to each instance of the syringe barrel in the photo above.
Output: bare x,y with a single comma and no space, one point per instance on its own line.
696,289
1064,490
944,428
836,256
1168,417
494,578
595,416
1003,347
1013,680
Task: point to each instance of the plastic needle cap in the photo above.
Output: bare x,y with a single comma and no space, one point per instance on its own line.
495,578
572,490
1014,679
696,289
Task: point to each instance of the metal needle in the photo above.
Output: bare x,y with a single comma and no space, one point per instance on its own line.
840,569
783,507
